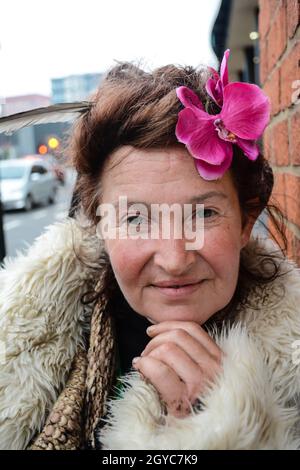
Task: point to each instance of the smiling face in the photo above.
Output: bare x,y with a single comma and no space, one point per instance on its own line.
143,267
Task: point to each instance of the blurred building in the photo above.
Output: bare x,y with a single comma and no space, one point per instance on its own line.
74,87
236,28
17,104
263,36
29,139
24,141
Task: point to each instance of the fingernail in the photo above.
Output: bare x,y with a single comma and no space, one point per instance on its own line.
150,329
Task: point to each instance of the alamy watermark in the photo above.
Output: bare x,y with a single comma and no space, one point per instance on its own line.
154,221
296,93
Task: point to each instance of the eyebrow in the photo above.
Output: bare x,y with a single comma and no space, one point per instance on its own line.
210,194
196,199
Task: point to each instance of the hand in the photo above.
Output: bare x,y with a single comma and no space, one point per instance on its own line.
179,361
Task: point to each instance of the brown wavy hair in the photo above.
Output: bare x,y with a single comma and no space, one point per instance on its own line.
139,108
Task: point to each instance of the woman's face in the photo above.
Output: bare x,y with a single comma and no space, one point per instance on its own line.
143,267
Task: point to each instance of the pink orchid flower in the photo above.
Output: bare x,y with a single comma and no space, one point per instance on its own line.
215,85
209,138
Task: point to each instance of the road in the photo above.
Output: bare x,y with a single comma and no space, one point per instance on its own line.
21,228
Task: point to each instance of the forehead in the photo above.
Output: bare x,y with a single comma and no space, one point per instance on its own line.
161,174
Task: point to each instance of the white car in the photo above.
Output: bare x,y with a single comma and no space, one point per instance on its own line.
24,183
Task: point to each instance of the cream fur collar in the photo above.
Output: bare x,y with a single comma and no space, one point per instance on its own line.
251,405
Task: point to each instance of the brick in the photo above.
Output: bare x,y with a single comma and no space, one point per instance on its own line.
289,74
272,89
277,37
280,143
293,16
267,145
279,191
264,17
292,198
296,92
263,68
273,6
267,9
295,138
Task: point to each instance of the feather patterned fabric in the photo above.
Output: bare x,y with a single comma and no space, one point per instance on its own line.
61,112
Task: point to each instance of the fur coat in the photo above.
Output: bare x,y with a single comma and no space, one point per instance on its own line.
253,403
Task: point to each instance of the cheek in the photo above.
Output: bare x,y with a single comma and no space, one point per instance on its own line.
222,252
127,260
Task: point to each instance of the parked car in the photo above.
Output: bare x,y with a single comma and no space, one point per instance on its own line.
54,164
26,182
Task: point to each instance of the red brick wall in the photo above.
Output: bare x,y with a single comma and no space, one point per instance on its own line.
279,30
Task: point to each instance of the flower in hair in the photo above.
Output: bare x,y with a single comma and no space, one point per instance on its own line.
245,112
215,85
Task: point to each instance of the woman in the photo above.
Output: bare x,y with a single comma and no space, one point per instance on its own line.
218,368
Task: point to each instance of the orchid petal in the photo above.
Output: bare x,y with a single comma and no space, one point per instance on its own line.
196,129
187,124
214,86
214,90
246,110
224,68
210,87
206,145
188,98
212,172
249,147
215,74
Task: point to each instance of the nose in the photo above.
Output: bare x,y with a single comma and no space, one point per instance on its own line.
173,257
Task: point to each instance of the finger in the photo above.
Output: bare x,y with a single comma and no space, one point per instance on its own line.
193,328
187,343
195,346
167,383
185,368
189,351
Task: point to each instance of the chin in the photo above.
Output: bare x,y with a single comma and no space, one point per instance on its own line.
179,316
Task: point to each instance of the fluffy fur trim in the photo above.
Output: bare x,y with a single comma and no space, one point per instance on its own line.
272,318
253,404
42,323
241,410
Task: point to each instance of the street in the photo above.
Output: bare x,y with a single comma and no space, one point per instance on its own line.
21,228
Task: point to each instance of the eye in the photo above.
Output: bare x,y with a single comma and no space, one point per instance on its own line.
211,213
135,219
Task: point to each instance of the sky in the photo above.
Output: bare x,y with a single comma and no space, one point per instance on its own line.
44,39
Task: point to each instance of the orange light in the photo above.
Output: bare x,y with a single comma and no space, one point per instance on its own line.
53,142
43,149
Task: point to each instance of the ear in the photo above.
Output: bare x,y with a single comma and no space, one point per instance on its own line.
247,228
249,219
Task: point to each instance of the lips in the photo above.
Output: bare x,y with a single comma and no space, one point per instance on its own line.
176,283
175,291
